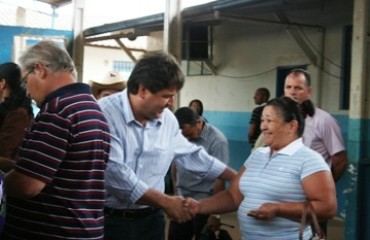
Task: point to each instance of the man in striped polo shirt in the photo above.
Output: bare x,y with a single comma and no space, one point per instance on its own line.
56,189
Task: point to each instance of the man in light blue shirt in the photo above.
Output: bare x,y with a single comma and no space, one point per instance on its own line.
145,140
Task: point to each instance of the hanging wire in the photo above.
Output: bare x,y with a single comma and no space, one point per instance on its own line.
250,76
247,76
320,53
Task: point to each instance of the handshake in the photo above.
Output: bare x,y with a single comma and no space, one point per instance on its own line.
184,210
181,210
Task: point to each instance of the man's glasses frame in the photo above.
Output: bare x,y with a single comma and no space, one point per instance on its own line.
24,78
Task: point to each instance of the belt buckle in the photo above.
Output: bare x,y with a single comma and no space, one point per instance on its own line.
128,215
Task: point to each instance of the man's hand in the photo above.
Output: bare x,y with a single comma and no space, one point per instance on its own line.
192,206
178,210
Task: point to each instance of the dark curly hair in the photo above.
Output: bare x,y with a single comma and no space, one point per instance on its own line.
11,73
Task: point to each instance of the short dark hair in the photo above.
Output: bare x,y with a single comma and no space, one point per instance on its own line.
304,72
156,71
186,115
289,110
265,92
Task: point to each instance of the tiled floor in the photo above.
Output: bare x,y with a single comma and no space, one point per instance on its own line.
335,227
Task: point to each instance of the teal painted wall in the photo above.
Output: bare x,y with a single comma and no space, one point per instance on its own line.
235,125
8,32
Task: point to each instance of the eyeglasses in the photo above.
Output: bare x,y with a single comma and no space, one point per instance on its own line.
25,76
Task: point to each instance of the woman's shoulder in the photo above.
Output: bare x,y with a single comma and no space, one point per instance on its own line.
19,112
307,152
18,115
311,157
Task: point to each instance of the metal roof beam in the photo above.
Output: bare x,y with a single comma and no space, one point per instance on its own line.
56,3
155,21
127,51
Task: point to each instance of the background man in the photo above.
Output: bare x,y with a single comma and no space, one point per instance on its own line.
197,105
321,132
113,82
261,97
188,184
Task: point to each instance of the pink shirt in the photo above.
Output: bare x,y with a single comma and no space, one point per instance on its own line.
322,134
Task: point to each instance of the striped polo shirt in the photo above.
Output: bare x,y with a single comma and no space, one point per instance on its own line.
67,148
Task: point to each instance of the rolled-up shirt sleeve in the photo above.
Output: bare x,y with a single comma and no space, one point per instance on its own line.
128,190
195,159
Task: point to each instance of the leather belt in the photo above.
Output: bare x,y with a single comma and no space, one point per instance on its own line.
130,214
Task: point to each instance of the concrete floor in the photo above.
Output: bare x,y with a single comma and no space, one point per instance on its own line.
335,227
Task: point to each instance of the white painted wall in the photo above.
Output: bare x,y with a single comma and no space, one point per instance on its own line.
247,53
247,48
98,61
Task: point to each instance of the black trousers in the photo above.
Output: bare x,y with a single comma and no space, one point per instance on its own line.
186,231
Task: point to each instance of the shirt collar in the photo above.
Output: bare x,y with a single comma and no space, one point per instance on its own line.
71,89
205,131
129,115
289,150
262,104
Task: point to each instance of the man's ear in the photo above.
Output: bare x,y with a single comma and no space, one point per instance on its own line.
142,91
38,67
40,70
310,90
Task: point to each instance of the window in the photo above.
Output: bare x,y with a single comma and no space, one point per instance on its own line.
346,68
197,50
124,67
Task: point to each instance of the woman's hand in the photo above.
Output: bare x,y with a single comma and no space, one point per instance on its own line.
266,211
